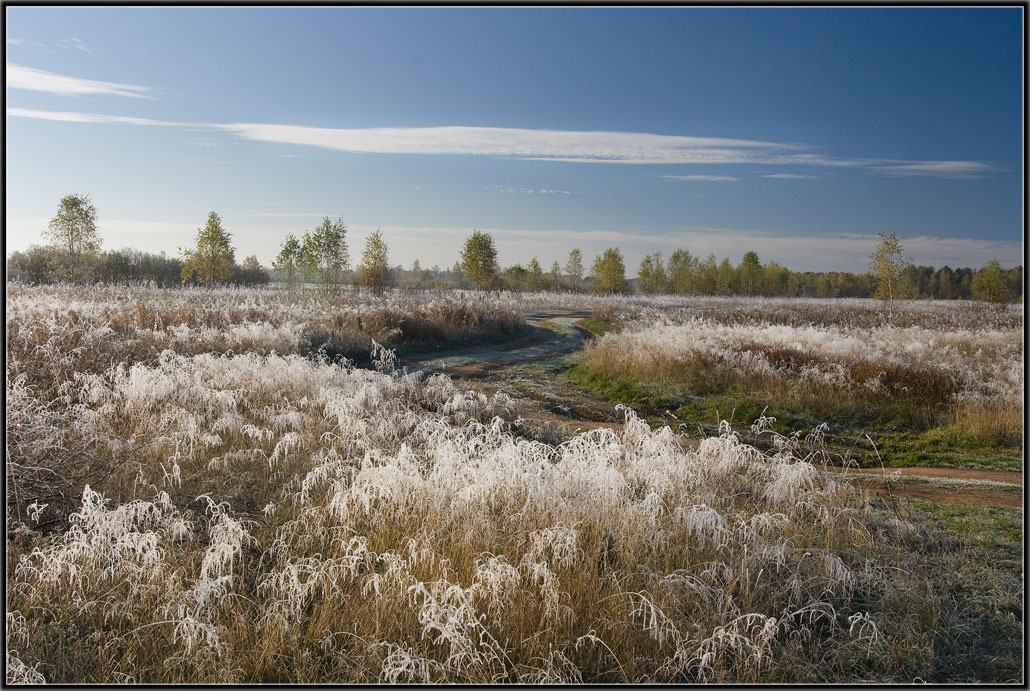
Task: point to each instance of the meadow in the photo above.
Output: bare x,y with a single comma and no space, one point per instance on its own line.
938,383
203,487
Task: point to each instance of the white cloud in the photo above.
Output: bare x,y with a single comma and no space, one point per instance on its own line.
557,145
65,116
940,169
790,176
26,42
38,80
539,145
701,178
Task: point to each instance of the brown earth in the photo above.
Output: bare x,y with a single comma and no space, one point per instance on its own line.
935,493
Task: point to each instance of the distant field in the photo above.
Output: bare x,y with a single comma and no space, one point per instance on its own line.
200,491
940,383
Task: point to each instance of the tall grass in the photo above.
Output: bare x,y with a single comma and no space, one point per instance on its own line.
944,367
263,516
55,330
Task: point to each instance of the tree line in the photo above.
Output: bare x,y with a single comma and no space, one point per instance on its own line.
321,257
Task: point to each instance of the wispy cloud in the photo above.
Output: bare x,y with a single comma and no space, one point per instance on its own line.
555,145
940,169
64,116
523,190
19,77
790,176
75,44
701,178
26,42
539,145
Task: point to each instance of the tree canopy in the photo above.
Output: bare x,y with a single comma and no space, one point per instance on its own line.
324,252
574,268
289,260
479,259
374,270
609,272
652,274
990,285
749,273
73,231
211,259
888,265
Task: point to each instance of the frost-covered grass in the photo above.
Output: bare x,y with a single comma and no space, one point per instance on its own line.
53,330
241,514
855,312
933,364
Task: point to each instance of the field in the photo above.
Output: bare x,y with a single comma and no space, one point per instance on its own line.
941,383
243,486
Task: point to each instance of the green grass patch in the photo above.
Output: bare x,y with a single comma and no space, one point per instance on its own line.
903,432
934,449
630,392
742,411
964,613
995,528
594,325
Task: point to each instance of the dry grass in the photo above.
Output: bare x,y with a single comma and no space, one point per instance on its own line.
943,366
54,331
262,516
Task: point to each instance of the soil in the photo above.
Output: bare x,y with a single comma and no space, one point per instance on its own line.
958,495
528,368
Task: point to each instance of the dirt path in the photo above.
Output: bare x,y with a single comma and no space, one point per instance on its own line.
548,337
1010,477
956,495
528,369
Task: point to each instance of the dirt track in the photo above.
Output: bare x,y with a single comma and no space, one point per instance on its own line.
528,368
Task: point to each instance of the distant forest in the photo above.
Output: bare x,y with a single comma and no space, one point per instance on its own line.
682,274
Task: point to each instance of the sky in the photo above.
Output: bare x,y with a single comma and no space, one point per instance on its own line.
798,133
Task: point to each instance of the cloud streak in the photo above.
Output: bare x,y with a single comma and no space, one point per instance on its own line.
940,169
73,43
554,145
525,144
522,190
701,178
30,79
65,116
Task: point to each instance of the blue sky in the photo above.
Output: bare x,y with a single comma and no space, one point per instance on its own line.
798,133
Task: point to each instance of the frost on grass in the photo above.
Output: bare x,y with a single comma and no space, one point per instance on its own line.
266,516
407,515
